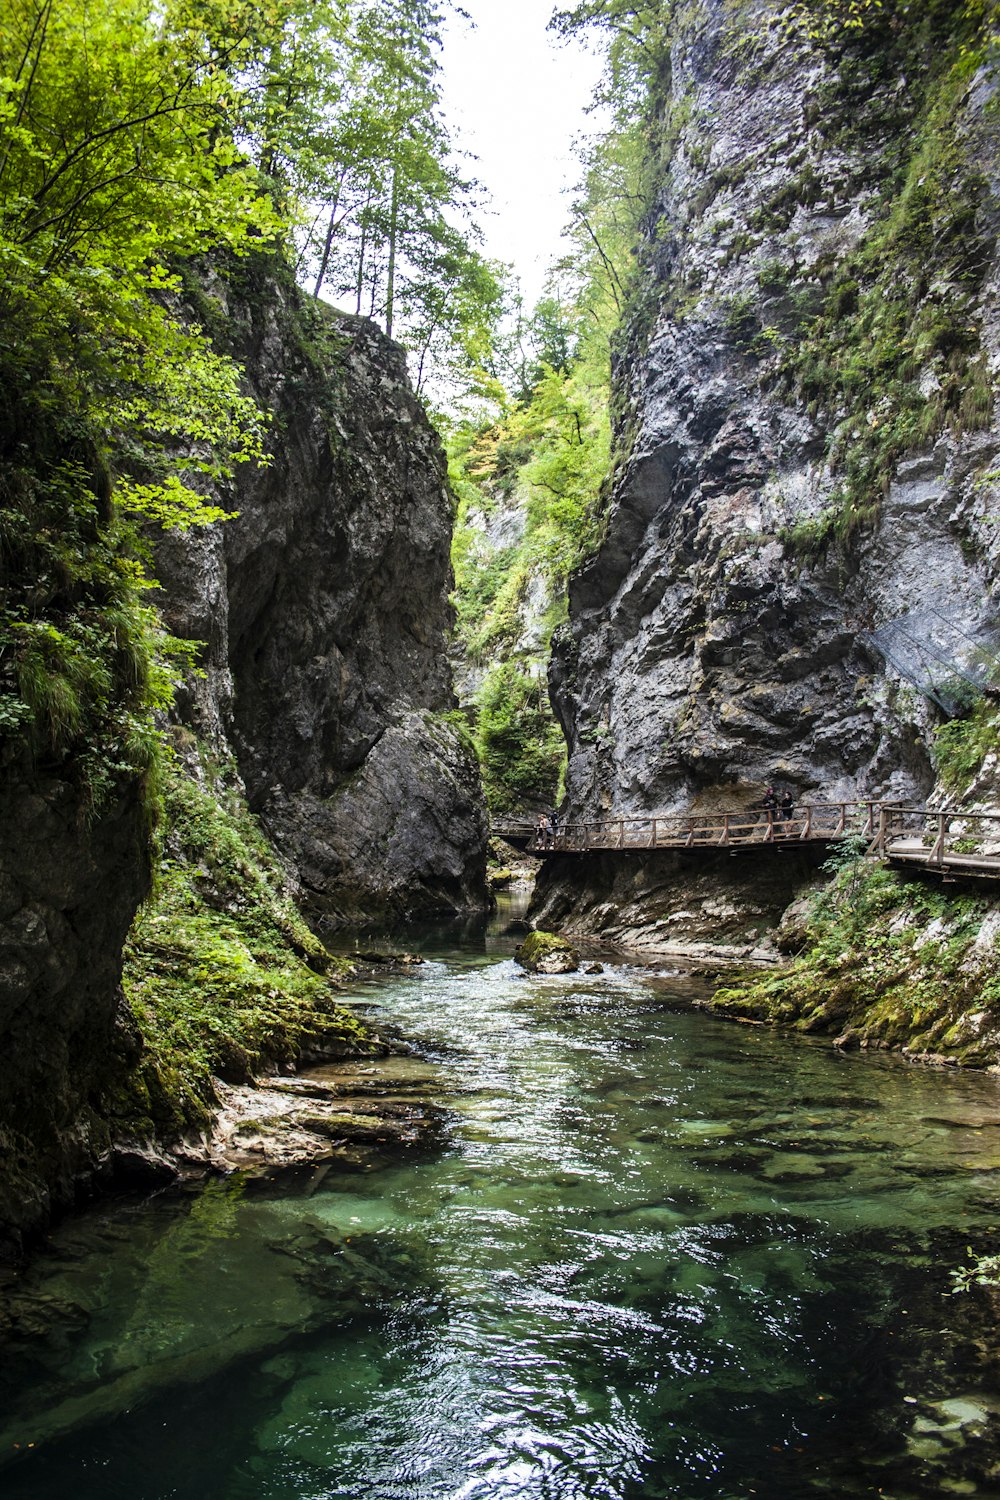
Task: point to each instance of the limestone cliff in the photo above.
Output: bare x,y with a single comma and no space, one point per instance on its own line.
324,696
70,882
324,604
798,566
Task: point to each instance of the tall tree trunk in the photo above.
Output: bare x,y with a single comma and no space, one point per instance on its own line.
390,275
328,242
361,264
271,106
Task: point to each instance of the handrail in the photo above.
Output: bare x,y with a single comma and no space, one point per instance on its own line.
905,834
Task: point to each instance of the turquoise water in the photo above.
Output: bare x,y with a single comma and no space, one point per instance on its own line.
661,1255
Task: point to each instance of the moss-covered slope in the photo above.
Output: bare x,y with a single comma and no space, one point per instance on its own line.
222,974
885,961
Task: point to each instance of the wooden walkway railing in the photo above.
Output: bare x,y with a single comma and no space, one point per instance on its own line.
951,843
945,842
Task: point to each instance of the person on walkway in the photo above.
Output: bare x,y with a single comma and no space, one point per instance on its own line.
553,827
543,832
769,801
787,806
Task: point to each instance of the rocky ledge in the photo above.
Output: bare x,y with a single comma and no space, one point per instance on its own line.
353,1116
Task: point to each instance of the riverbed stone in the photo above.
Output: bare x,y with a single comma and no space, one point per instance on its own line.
285,1124
547,953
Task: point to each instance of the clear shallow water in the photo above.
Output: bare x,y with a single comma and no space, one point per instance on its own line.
662,1256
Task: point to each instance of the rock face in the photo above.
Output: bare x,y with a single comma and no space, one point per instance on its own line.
324,613
70,882
799,549
325,609
703,906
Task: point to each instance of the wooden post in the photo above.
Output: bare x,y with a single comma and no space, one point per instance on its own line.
870,830
621,833
652,835
936,855
769,835
725,828
883,829
842,823
807,828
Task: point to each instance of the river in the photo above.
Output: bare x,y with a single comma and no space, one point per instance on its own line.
661,1255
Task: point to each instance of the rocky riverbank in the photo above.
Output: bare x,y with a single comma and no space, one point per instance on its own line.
351,1116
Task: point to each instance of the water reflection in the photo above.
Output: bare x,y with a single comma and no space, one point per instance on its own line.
664,1256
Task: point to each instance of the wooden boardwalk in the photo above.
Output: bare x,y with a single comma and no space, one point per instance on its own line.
951,844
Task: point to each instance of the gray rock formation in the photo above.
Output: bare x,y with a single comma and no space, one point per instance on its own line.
324,613
70,882
324,606
748,617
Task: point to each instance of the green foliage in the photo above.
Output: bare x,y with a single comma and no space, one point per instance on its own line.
520,748
961,746
534,477
868,968
893,358
547,455
221,971
984,1270
869,23
386,214
115,153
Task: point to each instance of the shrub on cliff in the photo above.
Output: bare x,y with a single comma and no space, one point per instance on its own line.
115,157
889,962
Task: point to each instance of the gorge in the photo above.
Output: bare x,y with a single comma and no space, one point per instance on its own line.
279,639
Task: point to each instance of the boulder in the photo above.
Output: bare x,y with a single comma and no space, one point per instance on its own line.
547,953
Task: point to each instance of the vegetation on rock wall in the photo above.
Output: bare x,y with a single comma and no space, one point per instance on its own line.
221,972
530,481
893,355
962,745
885,961
148,154
133,139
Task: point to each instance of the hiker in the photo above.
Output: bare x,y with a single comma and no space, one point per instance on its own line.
769,801
543,833
553,827
787,806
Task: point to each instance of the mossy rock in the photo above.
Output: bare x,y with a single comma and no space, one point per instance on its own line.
547,953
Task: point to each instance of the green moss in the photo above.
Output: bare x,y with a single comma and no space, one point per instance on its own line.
870,971
221,972
539,945
892,357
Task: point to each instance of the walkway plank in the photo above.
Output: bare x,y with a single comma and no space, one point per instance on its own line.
934,839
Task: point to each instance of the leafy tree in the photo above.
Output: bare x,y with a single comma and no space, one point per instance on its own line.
115,156
520,748
389,231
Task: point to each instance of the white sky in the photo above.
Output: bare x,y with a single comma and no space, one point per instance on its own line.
515,97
